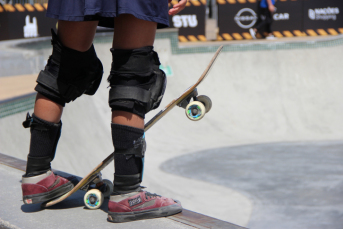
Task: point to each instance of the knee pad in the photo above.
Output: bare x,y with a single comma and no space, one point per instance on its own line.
137,83
130,146
69,73
44,139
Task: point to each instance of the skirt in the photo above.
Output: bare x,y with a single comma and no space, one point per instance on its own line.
105,10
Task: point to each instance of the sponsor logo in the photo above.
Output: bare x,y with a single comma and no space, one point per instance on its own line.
30,29
325,14
185,21
246,18
28,201
281,16
135,201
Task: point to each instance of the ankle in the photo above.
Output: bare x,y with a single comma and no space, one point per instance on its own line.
124,184
33,178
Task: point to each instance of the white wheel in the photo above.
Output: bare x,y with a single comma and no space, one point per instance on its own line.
93,199
109,188
195,111
206,101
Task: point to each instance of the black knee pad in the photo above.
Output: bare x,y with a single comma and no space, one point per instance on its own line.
69,73
137,83
130,146
44,139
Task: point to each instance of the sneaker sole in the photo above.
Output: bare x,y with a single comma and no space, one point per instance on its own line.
252,33
145,214
47,196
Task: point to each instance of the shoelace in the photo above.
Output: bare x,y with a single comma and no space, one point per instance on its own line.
151,195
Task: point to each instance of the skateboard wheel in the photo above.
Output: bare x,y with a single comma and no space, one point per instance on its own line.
93,199
195,111
108,188
206,101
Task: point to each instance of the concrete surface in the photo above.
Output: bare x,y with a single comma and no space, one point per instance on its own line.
293,185
272,95
68,214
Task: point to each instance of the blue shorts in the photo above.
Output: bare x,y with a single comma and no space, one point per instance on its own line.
105,10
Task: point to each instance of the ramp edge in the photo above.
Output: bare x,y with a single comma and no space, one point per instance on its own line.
186,217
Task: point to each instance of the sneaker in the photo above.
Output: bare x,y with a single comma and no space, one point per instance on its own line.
252,33
140,205
270,37
44,187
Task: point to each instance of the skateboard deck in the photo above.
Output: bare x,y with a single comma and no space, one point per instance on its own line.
87,180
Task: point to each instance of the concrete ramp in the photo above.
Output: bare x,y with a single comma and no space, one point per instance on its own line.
261,92
71,213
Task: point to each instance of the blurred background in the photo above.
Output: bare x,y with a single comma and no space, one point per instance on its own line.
270,152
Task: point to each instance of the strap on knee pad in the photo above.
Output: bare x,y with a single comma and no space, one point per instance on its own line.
137,83
69,73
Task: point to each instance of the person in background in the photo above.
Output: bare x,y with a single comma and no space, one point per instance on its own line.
266,10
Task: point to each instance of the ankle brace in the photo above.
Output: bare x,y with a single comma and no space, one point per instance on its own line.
43,143
129,151
126,183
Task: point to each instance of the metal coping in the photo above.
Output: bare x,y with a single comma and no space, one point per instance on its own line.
186,217
24,103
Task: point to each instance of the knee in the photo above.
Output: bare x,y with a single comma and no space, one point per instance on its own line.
69,73
137,83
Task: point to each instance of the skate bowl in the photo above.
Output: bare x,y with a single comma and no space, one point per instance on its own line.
267,154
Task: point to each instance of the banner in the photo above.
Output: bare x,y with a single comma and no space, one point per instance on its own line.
292,18
24,21
288,19
323,17
235,18
190,21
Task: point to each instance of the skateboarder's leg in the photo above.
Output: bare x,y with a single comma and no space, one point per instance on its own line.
135,69
73,44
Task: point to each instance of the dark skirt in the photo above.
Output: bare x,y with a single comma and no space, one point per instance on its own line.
105,10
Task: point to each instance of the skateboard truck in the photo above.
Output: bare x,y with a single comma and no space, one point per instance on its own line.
187,100
197,109
95,179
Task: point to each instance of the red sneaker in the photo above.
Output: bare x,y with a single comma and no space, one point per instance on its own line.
44,187
140,205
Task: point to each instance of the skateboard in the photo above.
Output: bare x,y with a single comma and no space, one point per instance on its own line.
97,188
